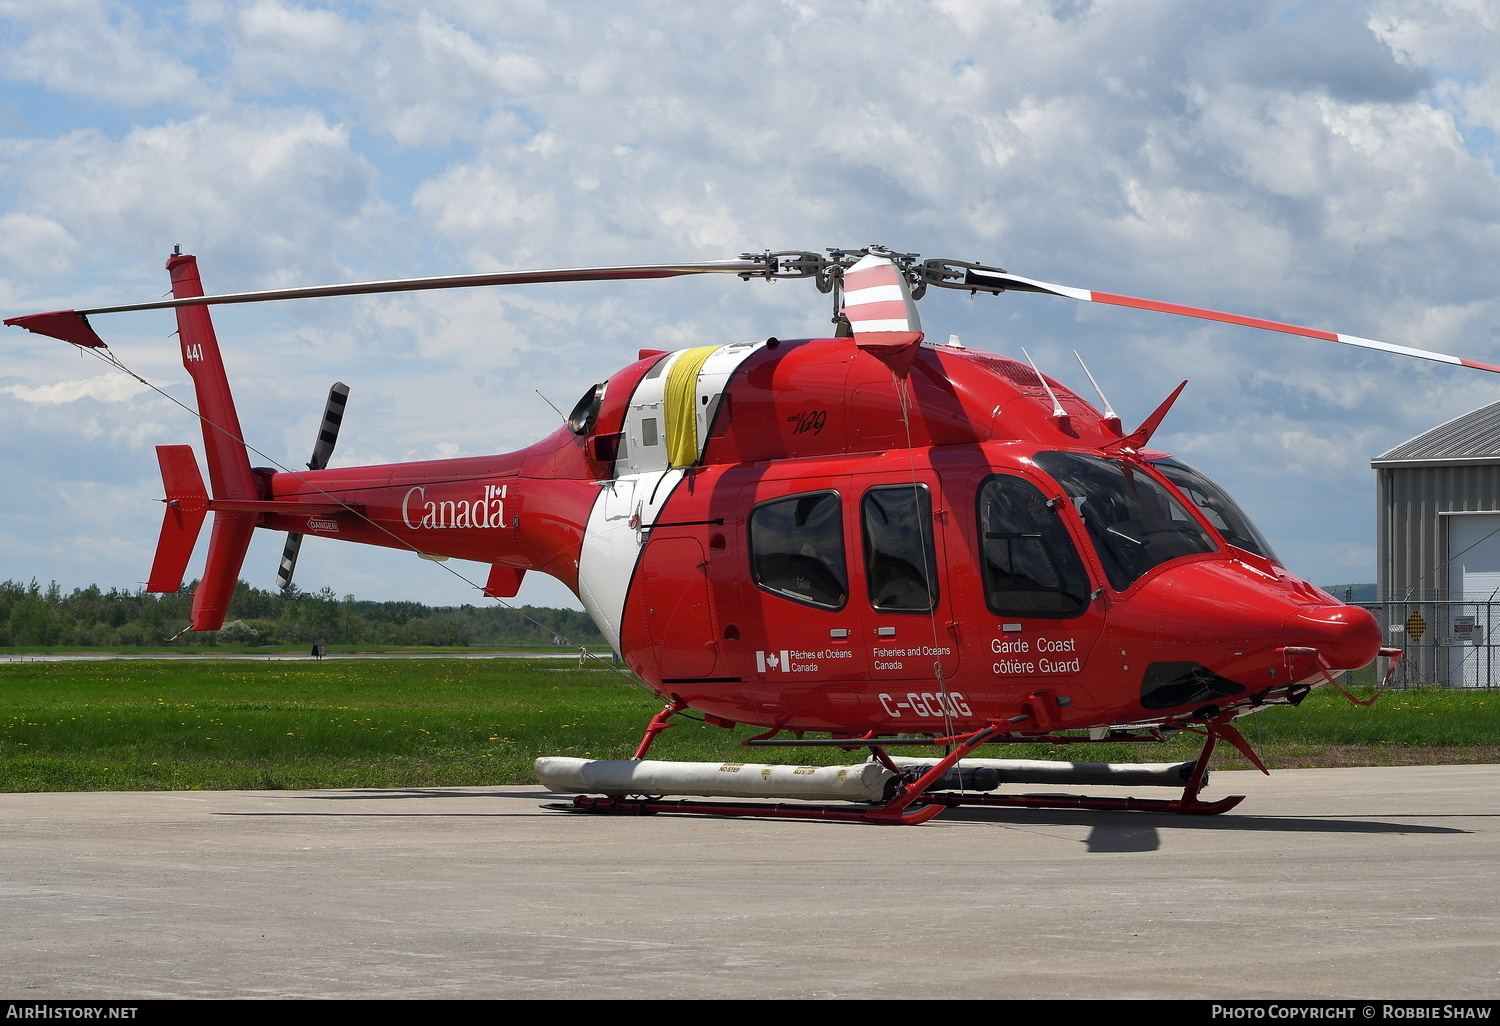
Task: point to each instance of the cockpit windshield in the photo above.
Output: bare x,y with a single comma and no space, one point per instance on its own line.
1217,507
1133,521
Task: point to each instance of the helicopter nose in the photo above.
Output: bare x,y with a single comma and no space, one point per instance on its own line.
1348,637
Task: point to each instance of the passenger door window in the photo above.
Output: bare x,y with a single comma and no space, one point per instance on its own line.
900,566
797,549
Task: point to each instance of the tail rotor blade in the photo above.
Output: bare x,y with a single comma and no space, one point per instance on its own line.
288,560
328,436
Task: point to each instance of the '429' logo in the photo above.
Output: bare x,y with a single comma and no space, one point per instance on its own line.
811,421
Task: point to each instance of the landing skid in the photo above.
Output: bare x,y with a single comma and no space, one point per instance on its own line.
878,814
1184,806
914,801
929,806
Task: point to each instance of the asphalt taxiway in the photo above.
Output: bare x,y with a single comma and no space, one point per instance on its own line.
1353,883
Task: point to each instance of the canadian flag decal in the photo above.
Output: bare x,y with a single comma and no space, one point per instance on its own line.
771,660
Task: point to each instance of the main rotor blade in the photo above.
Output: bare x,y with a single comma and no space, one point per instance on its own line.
975,277
451,281
73,326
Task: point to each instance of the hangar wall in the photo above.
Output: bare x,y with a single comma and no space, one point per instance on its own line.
1438,537
1410,527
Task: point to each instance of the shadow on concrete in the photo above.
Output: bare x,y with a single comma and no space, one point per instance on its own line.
370,794
392,794
1140,831
1110,832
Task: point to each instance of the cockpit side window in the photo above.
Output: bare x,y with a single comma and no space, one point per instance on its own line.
1216,506
899,562
797,549
1134,522
1030,565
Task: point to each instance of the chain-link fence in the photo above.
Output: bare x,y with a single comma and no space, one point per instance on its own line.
1453,644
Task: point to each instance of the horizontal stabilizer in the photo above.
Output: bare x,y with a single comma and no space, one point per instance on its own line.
187,504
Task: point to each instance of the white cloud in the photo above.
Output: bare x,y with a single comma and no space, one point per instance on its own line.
97,49
107,388
32,243
273,194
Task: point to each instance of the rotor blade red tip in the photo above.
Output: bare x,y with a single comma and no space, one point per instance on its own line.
67,325
990,278
1289,329
1213,315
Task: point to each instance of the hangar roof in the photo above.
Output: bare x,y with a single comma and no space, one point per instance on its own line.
1473,437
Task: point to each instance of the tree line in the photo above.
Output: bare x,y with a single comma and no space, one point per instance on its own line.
34,617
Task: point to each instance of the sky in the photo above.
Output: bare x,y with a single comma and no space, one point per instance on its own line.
1328,164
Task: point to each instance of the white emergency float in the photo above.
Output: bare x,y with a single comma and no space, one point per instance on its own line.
865,782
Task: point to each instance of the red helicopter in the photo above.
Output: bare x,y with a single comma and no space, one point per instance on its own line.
868,536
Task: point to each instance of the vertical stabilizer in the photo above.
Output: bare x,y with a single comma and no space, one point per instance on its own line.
229,472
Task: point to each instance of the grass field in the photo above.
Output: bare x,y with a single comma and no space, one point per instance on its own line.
184,725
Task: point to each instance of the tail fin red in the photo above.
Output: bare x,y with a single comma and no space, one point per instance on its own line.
229,472
187,505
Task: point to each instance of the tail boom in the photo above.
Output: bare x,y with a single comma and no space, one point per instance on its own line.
520,511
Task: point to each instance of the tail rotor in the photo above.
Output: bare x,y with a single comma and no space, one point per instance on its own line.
328,436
